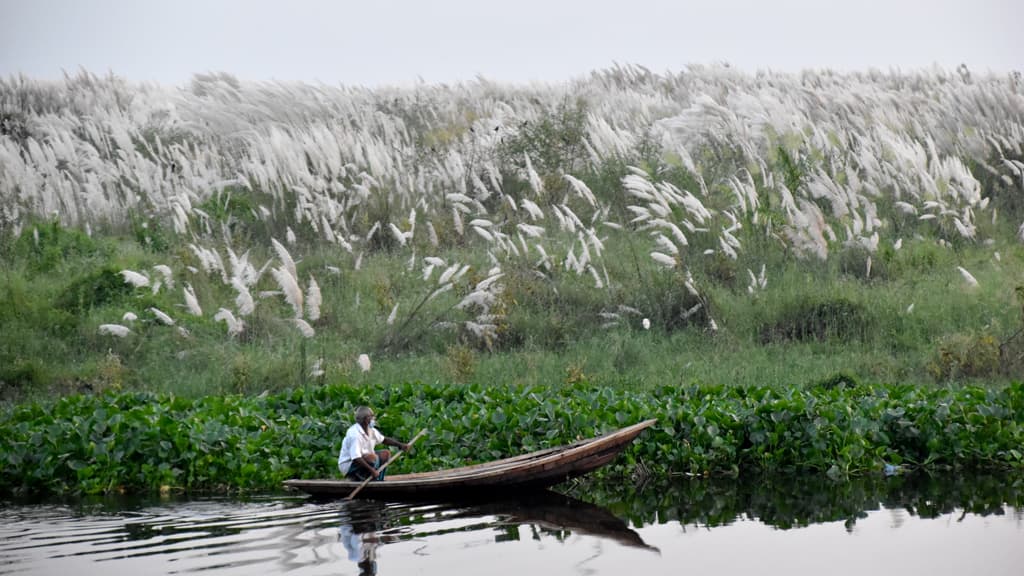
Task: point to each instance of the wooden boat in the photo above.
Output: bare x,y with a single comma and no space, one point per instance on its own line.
534,470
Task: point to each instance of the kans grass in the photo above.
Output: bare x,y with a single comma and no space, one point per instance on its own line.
627,230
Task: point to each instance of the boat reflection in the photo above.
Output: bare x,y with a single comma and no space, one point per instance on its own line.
366,525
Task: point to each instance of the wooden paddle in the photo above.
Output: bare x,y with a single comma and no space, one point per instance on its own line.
386,464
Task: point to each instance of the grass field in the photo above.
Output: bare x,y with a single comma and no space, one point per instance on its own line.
627,229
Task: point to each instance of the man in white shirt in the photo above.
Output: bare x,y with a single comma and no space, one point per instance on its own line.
358,460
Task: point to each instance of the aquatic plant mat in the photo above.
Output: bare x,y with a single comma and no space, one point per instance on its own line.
147,442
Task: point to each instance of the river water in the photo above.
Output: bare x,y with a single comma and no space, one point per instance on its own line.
905,525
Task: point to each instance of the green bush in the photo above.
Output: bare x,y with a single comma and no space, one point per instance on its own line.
555,142
853,262
99,288
44,246
19,373
963,355
838,319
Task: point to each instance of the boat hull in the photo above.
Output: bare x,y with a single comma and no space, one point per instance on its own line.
534,470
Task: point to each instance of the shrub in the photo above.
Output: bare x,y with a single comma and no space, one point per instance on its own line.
837,380
823,320
14,125
965,356
45,246
460,362
671,304
150,233
18,373
555,142
853,262
102,287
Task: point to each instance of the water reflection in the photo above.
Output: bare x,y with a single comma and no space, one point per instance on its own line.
366,525
597,528
364,528
794,501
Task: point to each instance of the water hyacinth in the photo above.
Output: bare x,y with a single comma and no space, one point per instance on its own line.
820,431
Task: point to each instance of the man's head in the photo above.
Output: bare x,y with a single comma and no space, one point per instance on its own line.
363,415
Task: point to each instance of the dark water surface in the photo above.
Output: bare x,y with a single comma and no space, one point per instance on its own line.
906,525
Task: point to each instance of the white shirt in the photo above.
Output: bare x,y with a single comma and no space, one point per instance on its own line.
356,443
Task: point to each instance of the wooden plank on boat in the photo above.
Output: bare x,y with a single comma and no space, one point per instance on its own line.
540,468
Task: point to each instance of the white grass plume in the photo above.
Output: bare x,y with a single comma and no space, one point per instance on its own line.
235,325
304,328
166,273
441,290
286,258
317,371
664,259
448,273
191,301
968,277
246,305
114,330
135,279
313,300
666,245
162,317
289,287
398,234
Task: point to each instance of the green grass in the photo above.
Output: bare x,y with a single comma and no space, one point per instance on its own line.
813,320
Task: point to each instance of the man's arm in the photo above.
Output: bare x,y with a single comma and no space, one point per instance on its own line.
395,443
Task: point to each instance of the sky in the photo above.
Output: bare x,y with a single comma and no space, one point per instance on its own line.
401,42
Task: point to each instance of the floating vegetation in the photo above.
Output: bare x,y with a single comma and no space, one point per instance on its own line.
146,442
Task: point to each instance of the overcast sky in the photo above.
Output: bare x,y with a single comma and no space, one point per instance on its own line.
372,42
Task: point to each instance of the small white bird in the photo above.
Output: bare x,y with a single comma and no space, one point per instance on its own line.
646,323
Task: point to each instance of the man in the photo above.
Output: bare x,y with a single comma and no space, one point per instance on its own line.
357,459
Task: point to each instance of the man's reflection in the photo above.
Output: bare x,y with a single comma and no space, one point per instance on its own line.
362,522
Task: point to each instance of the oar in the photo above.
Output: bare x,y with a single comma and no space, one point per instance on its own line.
386,464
